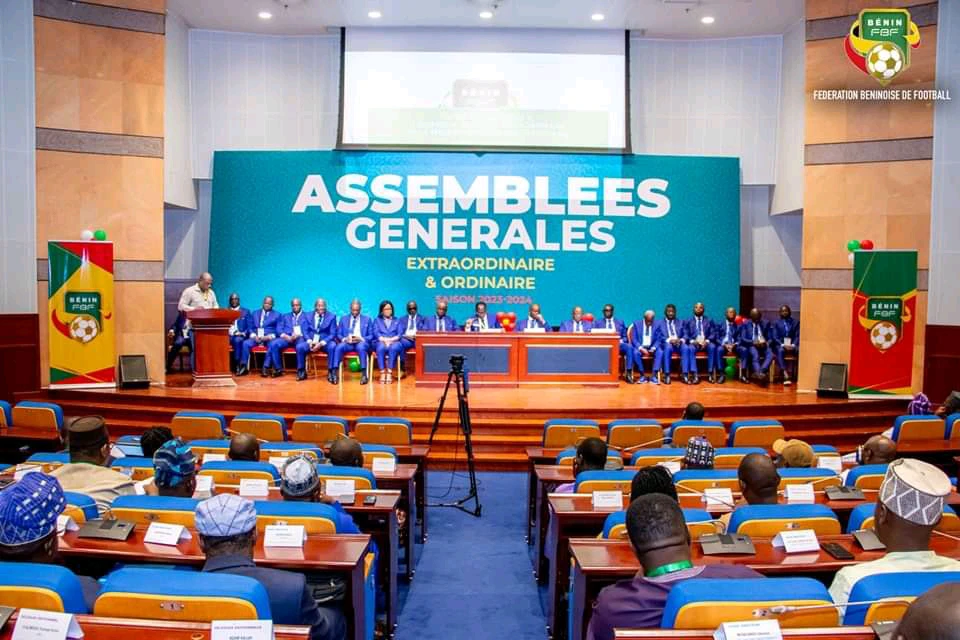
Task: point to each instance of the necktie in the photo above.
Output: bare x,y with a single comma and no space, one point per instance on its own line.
756,332
529,323
672,333
353,324
262,314
409,324
441,323
483,323
316,321
609,323
727,337
578,326
699,326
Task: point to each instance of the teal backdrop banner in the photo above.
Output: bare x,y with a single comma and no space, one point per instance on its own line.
504,228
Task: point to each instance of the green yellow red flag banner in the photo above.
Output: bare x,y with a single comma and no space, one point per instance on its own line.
884,323
80,314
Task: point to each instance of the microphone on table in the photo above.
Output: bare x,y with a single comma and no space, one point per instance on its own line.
945,535
780,609
700,493
813,482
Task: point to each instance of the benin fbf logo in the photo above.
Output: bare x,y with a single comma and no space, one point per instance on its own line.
880,41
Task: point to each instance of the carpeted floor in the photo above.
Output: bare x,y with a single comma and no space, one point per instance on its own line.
474,578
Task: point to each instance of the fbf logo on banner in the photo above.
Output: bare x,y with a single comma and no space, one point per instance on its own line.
506,229
880,41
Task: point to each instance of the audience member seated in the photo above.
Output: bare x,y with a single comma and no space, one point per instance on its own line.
759,482
794,454
876,450
227,528
699,454
659,536
591,456
909,506
950,406
28,525
653,479
299,482
693,411
89,446
153,438
346,452
175,470
244,446
933,616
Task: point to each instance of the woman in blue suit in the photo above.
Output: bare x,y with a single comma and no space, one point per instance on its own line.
387,332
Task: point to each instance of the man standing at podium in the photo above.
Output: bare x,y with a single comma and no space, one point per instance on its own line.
196,296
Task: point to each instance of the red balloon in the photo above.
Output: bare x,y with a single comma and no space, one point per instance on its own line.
501,315
866,245
588,317
738,320
512,316
508,326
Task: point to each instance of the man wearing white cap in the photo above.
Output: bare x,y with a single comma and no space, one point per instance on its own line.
910,505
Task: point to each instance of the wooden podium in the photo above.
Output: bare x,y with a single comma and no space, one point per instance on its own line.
211,348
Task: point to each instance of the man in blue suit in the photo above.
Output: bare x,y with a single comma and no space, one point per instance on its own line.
726,335
238,331
755,338
576,323
698,335
671,330
182,337
227,528
262,328
786,338
355,334
440,322
481,320
646,339
609,324
321,335
293,332
534,319
410,325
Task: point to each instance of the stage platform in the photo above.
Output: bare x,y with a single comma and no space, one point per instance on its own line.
505,421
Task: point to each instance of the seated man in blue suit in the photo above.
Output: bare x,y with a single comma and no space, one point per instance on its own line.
786,339
238,331
227,528
440,322
671,331
726,335
481,320
576,323
262,326
182,337
293,332
609,324
755,338
534,319
410,325
321,335
646,339
698,334
355,335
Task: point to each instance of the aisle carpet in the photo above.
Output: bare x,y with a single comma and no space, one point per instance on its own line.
474,578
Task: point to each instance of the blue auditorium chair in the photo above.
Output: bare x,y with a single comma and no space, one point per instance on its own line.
43,416
49,458
392,431
371,451
767,520
187,596
231,472
702,479
952,426
204,446
650,457
866,476
822,450
861,517
363,478
138,468
898,590
316,517
287,449
707,603
130,445
80,507
755,433
681,431
148,509
47,587
567,456
699,522
634,432
590,481
319,429
918,428
6,414
730,457
820,478
196,425
266,426
568,432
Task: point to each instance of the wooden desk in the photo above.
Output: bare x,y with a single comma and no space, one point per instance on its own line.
598,563
97,628
402,480
342,554
514,359
819,633
13,439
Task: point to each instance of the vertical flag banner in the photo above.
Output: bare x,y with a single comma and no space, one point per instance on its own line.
884,323
80,307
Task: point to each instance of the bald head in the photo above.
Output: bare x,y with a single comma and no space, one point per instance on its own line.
933,616
346,452
244,446
759,479
205,281
878,450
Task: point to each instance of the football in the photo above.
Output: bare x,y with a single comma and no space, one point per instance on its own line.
884,335
885,61
84,328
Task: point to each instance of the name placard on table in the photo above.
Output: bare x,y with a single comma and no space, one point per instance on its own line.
800,494
340,488
254,488
607,500
798,541
214,457
241,630
204,487
168,534
384,465
284,535
833,463
33,624
749,630
718,497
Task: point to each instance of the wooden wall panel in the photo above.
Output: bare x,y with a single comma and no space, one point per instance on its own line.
154,6
817,9
942,361
120,194
113,83
825,317
140,323
19,354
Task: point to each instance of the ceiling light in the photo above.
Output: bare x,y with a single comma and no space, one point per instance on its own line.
707,19
374,15
597,17
486,15
265,15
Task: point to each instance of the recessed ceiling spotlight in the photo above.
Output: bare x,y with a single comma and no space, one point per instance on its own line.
597,17
374,15
486,15
707,20
264,15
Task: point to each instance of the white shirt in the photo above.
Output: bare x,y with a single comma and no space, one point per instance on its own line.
610,324
412,325
297,331
482,322
355,322
577,326
193,298
893,562
647,337
671,329
235,328
699,320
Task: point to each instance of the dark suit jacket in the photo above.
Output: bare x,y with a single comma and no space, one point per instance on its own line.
290,600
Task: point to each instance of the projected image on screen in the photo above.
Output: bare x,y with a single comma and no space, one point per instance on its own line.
484,88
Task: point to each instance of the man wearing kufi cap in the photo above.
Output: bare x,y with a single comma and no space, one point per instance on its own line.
28,525
227,528
299,482
910,505
87,473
